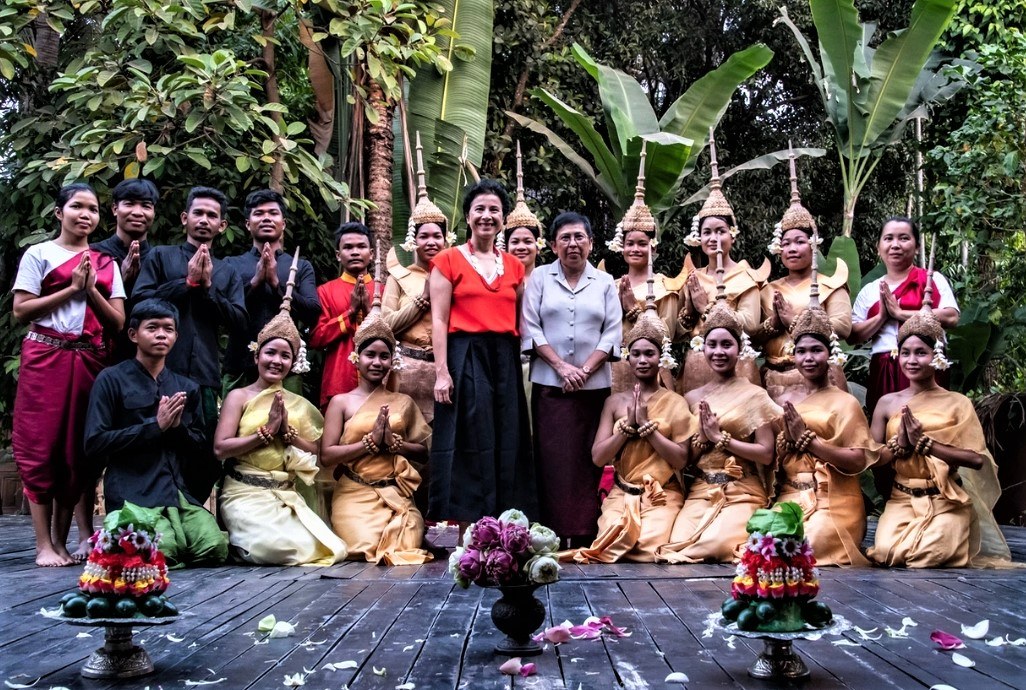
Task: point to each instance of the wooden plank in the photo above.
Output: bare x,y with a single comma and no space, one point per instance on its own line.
447,639
479,665
582,662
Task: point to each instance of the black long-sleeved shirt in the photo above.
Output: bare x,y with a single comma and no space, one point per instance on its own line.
144,464
263,302
196,355
118,250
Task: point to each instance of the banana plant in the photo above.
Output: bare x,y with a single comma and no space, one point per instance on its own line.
870,95
674,141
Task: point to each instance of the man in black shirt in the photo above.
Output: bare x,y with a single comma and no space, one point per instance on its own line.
207,293
134,208
264,271
146,423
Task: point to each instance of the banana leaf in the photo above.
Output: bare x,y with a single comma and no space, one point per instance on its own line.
844,248
628,111
764,162
703,104
666,155
897,65
841,39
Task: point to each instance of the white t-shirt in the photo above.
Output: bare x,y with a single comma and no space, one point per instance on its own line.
886,339
37,263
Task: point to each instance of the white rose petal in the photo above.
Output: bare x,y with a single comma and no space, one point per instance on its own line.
978,631
962,660
942,687
997,642
676,677
282,629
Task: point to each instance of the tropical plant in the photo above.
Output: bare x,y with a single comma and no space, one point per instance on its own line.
630,119
386,42
871,94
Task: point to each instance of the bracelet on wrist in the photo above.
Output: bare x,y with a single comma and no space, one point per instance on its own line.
264,434
898,450
626,429
290,435
648,428
724,441
806,439
396,445
924,446
370,445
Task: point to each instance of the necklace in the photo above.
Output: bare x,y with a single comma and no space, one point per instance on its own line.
468,251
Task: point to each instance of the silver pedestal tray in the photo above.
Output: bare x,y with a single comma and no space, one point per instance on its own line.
778,660
119,657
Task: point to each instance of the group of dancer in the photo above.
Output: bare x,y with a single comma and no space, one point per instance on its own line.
427,377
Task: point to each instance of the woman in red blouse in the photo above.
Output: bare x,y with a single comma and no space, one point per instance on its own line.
480,452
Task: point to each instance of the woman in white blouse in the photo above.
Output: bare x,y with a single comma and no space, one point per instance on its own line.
886,303
571,327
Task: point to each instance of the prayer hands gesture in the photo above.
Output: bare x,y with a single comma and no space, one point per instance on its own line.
382,431
626,292
83,277
911,429
709,423
783,312
699,300
889,303
359,304
637,415
794,425
201,267
130,266
266,269
277,416
170,409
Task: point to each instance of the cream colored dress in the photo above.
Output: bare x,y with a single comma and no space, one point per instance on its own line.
274,526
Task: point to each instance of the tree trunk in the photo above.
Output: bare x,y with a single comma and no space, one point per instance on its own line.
46,42
267,20
380,146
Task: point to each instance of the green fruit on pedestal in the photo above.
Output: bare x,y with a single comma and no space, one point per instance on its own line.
98,607
816,613
766,611
732,608
75,607
69,596
125,608
748,619
169,610
151,606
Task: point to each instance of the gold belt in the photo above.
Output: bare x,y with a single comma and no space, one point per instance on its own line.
416,353
717,478
802,486
376,484
62,344
632,489
917,493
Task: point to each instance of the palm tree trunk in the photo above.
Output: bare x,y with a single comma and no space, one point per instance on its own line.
380,146
267,20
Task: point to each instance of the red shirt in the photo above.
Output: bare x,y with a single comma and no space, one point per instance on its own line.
334,332
478,306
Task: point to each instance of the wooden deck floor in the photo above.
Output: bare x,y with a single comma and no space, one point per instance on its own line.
412,625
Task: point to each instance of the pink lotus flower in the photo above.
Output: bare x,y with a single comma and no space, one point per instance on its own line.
515,539
485,533
470,565
946,641
500,566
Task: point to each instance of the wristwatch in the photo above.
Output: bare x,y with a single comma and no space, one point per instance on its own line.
586,369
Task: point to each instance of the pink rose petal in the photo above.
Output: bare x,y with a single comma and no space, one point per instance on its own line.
528,670
557,634
946,641
608,622
511,667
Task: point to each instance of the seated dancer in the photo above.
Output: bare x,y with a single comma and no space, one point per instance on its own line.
371,436
733,448
784,298
147,422
640,434
269,437
936,516
825,443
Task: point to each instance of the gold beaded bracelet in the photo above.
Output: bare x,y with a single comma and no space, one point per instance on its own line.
686,319
924,446
370,445
725,439
899,451
806,439
626,429
700,446
647,428
632,314
396,445
421,303
290,435
264,435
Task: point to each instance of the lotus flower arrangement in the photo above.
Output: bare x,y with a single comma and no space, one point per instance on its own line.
505,551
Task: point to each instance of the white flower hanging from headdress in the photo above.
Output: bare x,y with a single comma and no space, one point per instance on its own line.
253,346
837,355
624,352
789,348
939,361
616,244
666,360
397,360
747,351
411,237
774,247
697,344
500,242
541,243
354,357
450,238
302,364
694,239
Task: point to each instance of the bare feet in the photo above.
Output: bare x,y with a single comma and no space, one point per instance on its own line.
50,558
82,552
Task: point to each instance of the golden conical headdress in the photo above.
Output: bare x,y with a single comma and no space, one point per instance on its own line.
813,320
521,216
282,326
924,323
796,216
639,216
716,203
721,315
649,326
425,211
374,326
